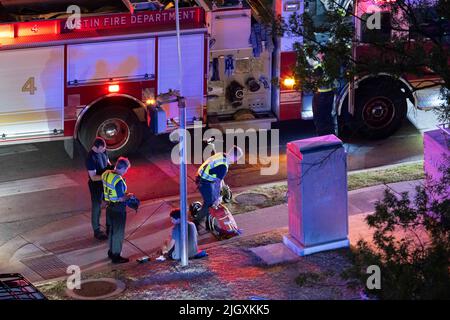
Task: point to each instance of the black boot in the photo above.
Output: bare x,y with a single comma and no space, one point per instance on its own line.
100,236
110,255
118,259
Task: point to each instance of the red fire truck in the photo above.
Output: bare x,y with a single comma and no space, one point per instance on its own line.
102,77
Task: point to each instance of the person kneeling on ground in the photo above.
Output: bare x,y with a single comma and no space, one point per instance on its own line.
172,248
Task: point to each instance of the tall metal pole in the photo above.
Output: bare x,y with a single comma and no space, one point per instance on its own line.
351,91
182,130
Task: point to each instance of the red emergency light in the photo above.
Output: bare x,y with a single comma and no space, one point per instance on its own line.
112,88
7,31
289,82
38,28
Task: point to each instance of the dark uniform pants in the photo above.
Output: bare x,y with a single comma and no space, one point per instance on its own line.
324,117
210,192
118,217
96,190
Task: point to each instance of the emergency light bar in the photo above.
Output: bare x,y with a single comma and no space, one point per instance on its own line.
138,5
26,29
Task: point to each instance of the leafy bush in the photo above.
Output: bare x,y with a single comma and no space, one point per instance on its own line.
411,244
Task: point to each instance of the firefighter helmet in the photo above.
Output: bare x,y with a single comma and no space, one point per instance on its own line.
194,208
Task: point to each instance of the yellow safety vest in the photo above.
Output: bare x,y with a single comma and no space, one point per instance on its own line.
212,162
110,180
325,88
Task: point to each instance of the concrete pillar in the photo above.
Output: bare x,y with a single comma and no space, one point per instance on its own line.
317,186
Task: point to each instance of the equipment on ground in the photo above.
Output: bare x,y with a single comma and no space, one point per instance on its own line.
143,259
226,194
220,221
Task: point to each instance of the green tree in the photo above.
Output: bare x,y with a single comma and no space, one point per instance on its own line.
411,244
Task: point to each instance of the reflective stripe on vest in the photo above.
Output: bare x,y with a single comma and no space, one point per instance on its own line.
212,162
325,88
110,180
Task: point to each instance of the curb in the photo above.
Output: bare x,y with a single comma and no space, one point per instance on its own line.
244,237
275,183
390,166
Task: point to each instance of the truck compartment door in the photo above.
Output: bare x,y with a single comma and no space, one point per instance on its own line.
99,62
31,92
193,75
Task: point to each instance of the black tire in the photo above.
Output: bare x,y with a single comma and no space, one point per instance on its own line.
379,114
118,125
344,120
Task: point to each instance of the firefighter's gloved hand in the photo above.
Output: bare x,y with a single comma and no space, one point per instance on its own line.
217,203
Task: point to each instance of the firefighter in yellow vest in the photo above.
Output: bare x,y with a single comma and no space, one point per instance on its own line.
116,195
324,115
210,177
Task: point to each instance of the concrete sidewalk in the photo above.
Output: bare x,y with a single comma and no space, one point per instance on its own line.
46,252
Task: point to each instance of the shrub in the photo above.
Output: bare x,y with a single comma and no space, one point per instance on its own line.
411,243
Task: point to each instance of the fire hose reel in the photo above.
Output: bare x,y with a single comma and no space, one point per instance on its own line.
252,84
235,93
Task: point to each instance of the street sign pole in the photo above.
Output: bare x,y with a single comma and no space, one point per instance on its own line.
351,91
183,182
182,134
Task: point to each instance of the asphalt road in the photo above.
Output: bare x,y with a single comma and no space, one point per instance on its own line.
39,183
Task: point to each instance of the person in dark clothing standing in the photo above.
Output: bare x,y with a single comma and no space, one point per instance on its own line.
323,101
116,195
210,177
96,163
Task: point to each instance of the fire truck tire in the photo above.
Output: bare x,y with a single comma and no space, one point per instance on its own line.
379,114
119,127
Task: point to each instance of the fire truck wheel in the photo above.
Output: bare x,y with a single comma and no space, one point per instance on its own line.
379,115
119,127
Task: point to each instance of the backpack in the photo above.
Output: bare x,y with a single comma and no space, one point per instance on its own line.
221,223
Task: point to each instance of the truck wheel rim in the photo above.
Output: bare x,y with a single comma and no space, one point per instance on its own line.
378,112
115,132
